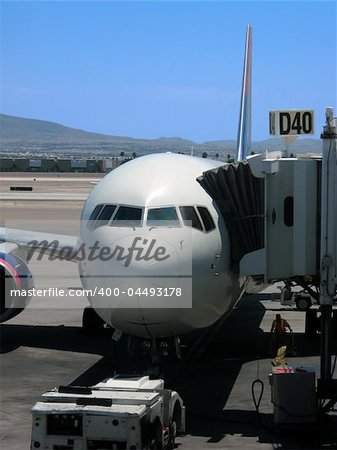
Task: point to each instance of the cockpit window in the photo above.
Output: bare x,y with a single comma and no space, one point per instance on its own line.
206,218
93,216
105,215
190,217
127,216
164,217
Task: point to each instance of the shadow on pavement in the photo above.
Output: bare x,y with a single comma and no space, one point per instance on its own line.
204,383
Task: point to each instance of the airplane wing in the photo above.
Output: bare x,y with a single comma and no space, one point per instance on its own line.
23,242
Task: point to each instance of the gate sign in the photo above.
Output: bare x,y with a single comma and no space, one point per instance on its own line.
291,122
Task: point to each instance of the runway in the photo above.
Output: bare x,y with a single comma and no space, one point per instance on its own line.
49,182
44,347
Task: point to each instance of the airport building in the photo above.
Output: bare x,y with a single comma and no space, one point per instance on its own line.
85,165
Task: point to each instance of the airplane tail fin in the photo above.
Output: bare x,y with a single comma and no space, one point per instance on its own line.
244,133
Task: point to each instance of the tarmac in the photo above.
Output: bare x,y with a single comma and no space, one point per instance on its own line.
45,346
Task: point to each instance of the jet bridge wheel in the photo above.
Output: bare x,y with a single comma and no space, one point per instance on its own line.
91,321
312,323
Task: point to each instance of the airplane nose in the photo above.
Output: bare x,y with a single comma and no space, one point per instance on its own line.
143,271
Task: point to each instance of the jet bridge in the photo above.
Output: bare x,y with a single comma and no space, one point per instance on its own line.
292,209
271,206
281,215
239,196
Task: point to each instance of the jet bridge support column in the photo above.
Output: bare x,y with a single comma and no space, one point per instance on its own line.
328,247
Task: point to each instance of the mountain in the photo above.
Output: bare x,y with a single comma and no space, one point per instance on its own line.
14,129
18,134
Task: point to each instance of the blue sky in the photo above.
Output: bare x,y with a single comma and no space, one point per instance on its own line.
165,68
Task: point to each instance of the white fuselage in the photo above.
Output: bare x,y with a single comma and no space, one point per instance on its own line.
159,249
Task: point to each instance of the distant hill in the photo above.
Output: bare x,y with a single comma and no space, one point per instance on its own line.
32,130
20,134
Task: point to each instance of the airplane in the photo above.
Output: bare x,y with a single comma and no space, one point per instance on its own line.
148,229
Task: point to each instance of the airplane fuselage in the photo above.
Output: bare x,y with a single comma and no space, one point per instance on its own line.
161,265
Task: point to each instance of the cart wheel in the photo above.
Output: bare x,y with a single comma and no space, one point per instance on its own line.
303,303
155,437
172,436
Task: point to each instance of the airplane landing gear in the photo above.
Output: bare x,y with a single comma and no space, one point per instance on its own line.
91,321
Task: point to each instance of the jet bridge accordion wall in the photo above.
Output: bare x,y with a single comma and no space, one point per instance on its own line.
240,198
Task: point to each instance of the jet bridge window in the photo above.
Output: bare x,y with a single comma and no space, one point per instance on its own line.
288,211
190,217
127,216
206,218
163,217
105,215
